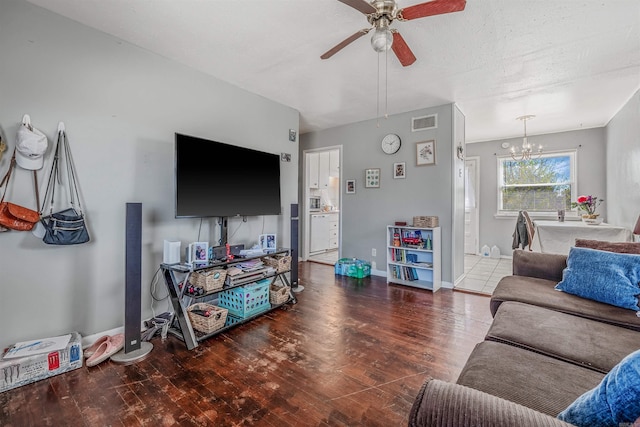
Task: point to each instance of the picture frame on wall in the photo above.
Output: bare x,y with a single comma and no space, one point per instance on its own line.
350,186
372,178
426,153
400,170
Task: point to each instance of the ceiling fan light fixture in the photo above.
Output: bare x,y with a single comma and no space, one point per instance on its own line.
382,39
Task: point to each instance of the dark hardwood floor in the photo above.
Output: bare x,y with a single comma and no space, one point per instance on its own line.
352,352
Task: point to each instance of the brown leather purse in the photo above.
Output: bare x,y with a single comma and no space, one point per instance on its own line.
12,216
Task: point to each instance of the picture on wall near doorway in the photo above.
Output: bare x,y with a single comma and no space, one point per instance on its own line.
372,178
350,186
399,170
426,153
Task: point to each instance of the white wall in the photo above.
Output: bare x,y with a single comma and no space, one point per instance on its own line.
591,177
427,190
623,165
121,106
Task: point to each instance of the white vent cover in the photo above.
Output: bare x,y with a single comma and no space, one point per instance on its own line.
424,122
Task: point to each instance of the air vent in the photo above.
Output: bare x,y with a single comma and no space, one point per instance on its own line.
424,123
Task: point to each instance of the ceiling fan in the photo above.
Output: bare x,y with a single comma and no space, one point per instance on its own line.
381,13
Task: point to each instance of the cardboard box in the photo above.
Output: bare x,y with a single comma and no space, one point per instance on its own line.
26,370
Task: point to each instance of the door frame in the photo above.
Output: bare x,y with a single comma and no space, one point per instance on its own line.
306,213
476,181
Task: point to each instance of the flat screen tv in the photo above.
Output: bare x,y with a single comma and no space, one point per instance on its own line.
214,179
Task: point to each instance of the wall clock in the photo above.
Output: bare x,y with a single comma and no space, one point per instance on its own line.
391,143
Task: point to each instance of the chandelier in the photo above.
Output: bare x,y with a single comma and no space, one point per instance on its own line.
527,151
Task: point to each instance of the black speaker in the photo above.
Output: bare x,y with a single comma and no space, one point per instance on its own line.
134,348
295,286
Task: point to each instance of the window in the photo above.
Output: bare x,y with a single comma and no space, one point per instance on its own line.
541,186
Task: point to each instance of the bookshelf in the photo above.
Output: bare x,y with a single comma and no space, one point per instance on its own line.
414,256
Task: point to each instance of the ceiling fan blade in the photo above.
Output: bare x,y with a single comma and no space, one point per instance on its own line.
328,54
360,5
435,7
402,51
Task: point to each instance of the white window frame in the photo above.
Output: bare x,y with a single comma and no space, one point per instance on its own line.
573,165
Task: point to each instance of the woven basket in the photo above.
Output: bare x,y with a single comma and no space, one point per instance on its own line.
278,294
280,262
425,221
207,324
209,280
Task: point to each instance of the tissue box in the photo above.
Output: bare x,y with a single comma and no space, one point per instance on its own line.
26,370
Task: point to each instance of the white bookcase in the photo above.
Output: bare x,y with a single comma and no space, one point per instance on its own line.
414,256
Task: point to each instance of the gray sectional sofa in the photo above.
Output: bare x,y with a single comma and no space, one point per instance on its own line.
544,349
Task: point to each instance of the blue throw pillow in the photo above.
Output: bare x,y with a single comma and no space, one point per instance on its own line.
602,276
616,400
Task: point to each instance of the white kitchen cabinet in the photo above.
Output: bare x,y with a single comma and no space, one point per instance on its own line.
323,169
333,231
324,232
321,166
319,232
334,163
313,169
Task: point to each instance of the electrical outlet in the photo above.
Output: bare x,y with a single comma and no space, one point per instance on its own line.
373,251
373,265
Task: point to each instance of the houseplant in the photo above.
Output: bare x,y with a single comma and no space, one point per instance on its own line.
588,204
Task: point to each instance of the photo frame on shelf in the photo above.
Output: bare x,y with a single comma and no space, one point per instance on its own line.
400,170
198,253
372,178
426,153
350,186
267,242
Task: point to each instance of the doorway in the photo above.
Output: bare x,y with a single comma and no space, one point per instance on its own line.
471,205
322,202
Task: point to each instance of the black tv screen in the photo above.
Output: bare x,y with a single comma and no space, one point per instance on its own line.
223,180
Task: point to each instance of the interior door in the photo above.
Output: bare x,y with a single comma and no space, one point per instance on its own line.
471,203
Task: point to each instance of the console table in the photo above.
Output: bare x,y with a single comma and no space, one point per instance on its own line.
558,237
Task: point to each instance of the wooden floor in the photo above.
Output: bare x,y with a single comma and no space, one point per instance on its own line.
352,352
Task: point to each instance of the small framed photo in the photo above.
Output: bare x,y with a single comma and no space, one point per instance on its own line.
426,153
198,252
267,242
372,178
399,170
350,186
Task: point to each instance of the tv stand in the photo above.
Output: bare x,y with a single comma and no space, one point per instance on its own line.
174,274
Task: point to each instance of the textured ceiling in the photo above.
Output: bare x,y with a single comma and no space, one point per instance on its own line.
572,63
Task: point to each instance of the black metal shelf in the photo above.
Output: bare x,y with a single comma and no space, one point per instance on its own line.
182,327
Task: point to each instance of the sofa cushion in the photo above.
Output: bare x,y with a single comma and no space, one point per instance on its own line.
615,401
584,342
619,247
539,265
444,404
603,276
530,379
542,293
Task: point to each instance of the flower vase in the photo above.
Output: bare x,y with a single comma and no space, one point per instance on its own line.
591,219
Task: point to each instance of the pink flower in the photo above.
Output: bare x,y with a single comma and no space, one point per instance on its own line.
582,199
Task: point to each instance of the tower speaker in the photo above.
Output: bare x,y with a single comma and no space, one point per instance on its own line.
134,349
295,286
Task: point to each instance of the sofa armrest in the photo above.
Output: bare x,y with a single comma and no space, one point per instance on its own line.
538,265
445,404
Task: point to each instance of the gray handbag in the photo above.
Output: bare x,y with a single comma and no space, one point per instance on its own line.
68,226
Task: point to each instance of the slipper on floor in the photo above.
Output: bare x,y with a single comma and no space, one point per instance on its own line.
88,352
107,349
